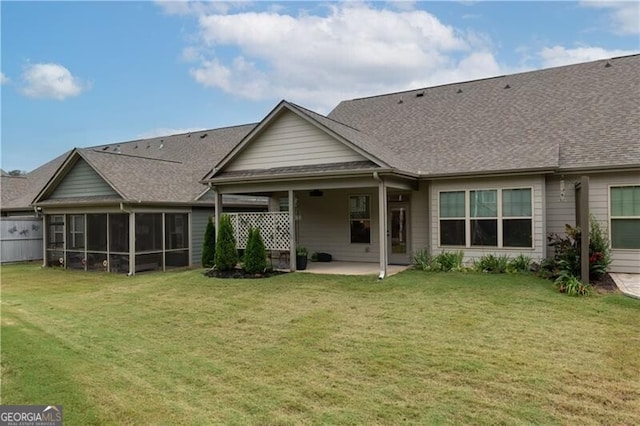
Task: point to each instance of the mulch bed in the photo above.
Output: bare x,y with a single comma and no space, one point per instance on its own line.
240,273
605,284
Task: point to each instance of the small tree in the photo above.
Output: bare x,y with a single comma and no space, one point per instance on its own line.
209,246
226,255
255,255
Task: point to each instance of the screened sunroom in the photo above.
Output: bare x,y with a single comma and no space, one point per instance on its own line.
105,241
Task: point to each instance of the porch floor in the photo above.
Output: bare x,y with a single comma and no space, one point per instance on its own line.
351,268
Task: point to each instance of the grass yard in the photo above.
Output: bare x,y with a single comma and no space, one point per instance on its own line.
165,348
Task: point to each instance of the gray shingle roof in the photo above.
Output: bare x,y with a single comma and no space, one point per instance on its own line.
576,116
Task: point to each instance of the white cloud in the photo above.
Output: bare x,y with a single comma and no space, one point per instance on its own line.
559,55
624,15
316,60
3,78
51,81
167,131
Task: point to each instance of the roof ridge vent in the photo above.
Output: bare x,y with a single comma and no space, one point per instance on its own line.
607,65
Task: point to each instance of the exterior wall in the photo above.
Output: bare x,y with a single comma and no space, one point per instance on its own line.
536,182
324,225
82,181
625,261
419,218
199,219
292,141
20,239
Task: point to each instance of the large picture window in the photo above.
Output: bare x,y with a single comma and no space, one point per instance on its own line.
495,218
360,218
625,217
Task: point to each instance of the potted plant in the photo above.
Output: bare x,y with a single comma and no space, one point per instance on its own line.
301,258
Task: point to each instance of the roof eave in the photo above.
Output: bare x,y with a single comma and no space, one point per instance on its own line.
296,176
490,173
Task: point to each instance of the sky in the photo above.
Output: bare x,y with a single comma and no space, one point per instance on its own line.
79,74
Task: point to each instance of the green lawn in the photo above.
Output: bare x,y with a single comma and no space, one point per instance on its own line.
165,348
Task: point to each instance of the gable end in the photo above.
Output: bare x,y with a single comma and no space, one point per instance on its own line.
82,181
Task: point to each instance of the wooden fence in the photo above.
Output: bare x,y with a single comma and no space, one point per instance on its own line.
20,239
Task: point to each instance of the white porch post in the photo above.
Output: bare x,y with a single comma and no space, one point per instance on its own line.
132,243
44,240
382,217
217,209
292,232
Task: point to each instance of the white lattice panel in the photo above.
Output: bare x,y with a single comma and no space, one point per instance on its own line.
274,229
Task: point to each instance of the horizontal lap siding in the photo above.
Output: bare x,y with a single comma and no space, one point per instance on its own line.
419,218
292,141
82,181
199,219
473,253
626,261
324,225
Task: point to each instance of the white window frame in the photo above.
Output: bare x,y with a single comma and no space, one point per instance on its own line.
351,220
500,218
611,218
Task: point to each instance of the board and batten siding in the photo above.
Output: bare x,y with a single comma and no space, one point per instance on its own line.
561,212
324,225
199,219
292,141
537,252
82,181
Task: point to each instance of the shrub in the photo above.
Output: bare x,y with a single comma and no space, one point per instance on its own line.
209,246
570,284
255,255
448,261
492,263
599,250
421,259
519,264
226,255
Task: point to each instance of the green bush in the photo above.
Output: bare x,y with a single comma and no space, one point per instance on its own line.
448,261
226,255
519,264
492,263
421,259
599,250
209,246
570,284
255,255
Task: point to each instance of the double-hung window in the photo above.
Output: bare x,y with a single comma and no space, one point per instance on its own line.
494,218
360,218
625,217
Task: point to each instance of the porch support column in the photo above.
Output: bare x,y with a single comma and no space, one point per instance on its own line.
292,232
584,229
217,199
132,243
44,240
382,217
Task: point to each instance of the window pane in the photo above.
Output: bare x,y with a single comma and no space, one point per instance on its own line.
177,258
452,204
97,232
148,232
625,233
516,233
148,262
484,232
452,232
55,232
484,203
119,233
361,231
75,232
359,207
176,231
625,201
516,202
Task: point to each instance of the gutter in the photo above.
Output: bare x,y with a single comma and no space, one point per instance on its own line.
295,176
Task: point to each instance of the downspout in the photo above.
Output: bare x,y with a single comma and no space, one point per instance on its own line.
132,240
382,226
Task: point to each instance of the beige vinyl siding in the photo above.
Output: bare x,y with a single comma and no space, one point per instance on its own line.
625,261
419,218
292,141
473,253
199,219
560,212
82,181
324,225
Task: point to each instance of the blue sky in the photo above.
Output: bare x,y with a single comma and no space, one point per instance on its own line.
77,74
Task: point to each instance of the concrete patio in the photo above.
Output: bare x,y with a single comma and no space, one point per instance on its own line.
629,284
351,268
